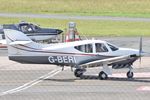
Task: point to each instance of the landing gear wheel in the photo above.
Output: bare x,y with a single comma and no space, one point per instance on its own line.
78,72
103,75
130,74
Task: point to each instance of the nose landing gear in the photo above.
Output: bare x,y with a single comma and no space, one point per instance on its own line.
130,74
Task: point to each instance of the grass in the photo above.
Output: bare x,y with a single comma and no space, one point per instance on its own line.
92,27
130,8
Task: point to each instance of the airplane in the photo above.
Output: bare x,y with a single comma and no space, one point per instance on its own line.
3,44
35,32
80,55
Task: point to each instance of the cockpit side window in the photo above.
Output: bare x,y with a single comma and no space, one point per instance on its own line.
113,48
35,27
100,47
87,48
26,28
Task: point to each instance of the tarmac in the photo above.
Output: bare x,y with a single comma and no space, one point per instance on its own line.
49,82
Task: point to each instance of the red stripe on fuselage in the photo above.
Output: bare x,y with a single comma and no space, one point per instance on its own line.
41,51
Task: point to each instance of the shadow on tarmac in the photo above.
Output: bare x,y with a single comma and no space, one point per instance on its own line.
61,80
90,77
142,80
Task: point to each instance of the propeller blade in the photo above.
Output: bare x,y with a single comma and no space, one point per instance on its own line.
140,50
140,60
140,46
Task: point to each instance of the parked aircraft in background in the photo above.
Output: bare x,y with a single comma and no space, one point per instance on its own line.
78,54
3,44
33,31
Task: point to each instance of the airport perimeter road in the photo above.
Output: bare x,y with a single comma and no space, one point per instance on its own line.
3,52
60,16
47,82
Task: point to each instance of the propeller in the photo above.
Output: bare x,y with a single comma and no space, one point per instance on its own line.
140,50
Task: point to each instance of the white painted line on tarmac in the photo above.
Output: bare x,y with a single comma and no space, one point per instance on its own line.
139,75
144,88
32,83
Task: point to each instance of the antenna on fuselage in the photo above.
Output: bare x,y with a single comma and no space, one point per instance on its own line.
93,38
85,37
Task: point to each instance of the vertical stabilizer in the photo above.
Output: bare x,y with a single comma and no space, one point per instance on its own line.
15,38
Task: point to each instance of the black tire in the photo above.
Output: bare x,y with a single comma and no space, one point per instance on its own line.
103,75
130,74
78,72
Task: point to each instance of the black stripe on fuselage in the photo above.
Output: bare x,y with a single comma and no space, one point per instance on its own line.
43,60
37,34
46,60
57,60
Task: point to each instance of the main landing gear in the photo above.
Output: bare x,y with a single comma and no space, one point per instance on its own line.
79,72
102,75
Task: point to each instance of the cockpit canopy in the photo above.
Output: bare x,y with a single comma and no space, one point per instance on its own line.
28,27
96,48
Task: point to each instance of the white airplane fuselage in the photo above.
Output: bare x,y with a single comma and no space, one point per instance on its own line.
67,53
77,54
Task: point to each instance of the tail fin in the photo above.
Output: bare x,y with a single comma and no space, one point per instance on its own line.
14,38
14,35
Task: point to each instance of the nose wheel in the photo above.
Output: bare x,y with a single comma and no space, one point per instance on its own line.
130,74
102,75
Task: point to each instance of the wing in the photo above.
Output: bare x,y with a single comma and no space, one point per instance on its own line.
108,60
